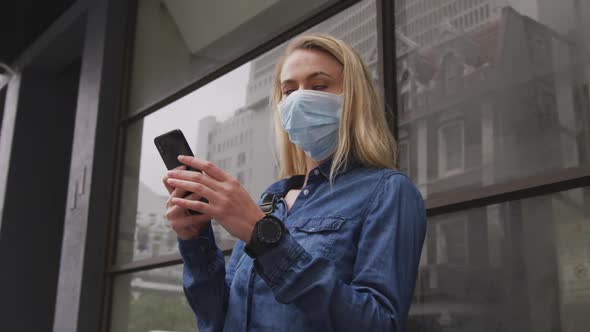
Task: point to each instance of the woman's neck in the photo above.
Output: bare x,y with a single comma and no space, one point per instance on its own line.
309,165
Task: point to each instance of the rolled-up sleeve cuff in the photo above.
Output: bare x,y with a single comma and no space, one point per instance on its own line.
274,264
199,251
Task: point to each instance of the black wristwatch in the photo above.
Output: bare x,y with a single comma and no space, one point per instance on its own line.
266,235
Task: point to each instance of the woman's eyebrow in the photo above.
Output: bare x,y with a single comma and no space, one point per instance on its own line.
309,77
318,73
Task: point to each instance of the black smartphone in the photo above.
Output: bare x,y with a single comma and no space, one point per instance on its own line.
170,145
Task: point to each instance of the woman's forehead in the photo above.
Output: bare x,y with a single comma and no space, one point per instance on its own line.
304,62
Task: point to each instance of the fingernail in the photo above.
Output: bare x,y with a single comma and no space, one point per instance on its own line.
181,157
171,180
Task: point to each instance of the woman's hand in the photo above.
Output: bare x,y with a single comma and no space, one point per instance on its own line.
181,221
229,203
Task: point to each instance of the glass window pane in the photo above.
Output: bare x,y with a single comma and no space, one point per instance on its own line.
403,151
517,266
514,81
227,122
451,153
178,42
209,123
151,301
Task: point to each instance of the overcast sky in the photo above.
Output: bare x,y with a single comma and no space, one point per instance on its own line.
220,98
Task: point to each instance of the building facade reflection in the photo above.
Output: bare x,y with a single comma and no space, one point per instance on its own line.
486,95
501,97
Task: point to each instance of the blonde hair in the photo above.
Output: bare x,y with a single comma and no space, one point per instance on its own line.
363,133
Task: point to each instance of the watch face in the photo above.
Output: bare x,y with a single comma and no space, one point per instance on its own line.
269,231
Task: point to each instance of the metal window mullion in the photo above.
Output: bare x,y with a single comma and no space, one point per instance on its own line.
387,68
151,263
518,189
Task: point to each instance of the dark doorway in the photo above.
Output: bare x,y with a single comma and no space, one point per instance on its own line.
37,183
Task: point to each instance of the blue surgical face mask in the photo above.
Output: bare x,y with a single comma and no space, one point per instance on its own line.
311,118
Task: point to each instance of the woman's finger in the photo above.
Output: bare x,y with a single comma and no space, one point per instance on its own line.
198,206
169,188
177,192
174,211
193,197
187,221
195,177
194,187
206,166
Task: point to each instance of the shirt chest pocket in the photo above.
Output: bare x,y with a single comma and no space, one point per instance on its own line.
318,234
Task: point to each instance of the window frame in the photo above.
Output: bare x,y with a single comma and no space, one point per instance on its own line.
125,120
462,199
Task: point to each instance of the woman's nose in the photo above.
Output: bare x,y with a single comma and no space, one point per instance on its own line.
304,87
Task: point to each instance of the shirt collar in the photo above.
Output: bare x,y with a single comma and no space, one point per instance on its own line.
282,186
325,166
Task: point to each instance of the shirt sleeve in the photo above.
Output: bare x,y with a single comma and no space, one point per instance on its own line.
205,280
379,296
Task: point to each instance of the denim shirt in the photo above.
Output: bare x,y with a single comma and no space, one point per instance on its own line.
348,261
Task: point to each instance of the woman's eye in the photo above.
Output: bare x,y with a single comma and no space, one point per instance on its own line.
319,87
288,92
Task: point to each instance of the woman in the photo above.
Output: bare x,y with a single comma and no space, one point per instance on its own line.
339,245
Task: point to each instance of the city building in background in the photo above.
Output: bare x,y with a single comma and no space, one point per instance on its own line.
425,21
463,93
229,144
488,95
490,104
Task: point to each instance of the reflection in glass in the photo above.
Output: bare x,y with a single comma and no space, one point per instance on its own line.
227,122
151,301
492,90
451,152
216,128
517,266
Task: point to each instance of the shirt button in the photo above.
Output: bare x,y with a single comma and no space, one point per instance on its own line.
305,192
316,172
